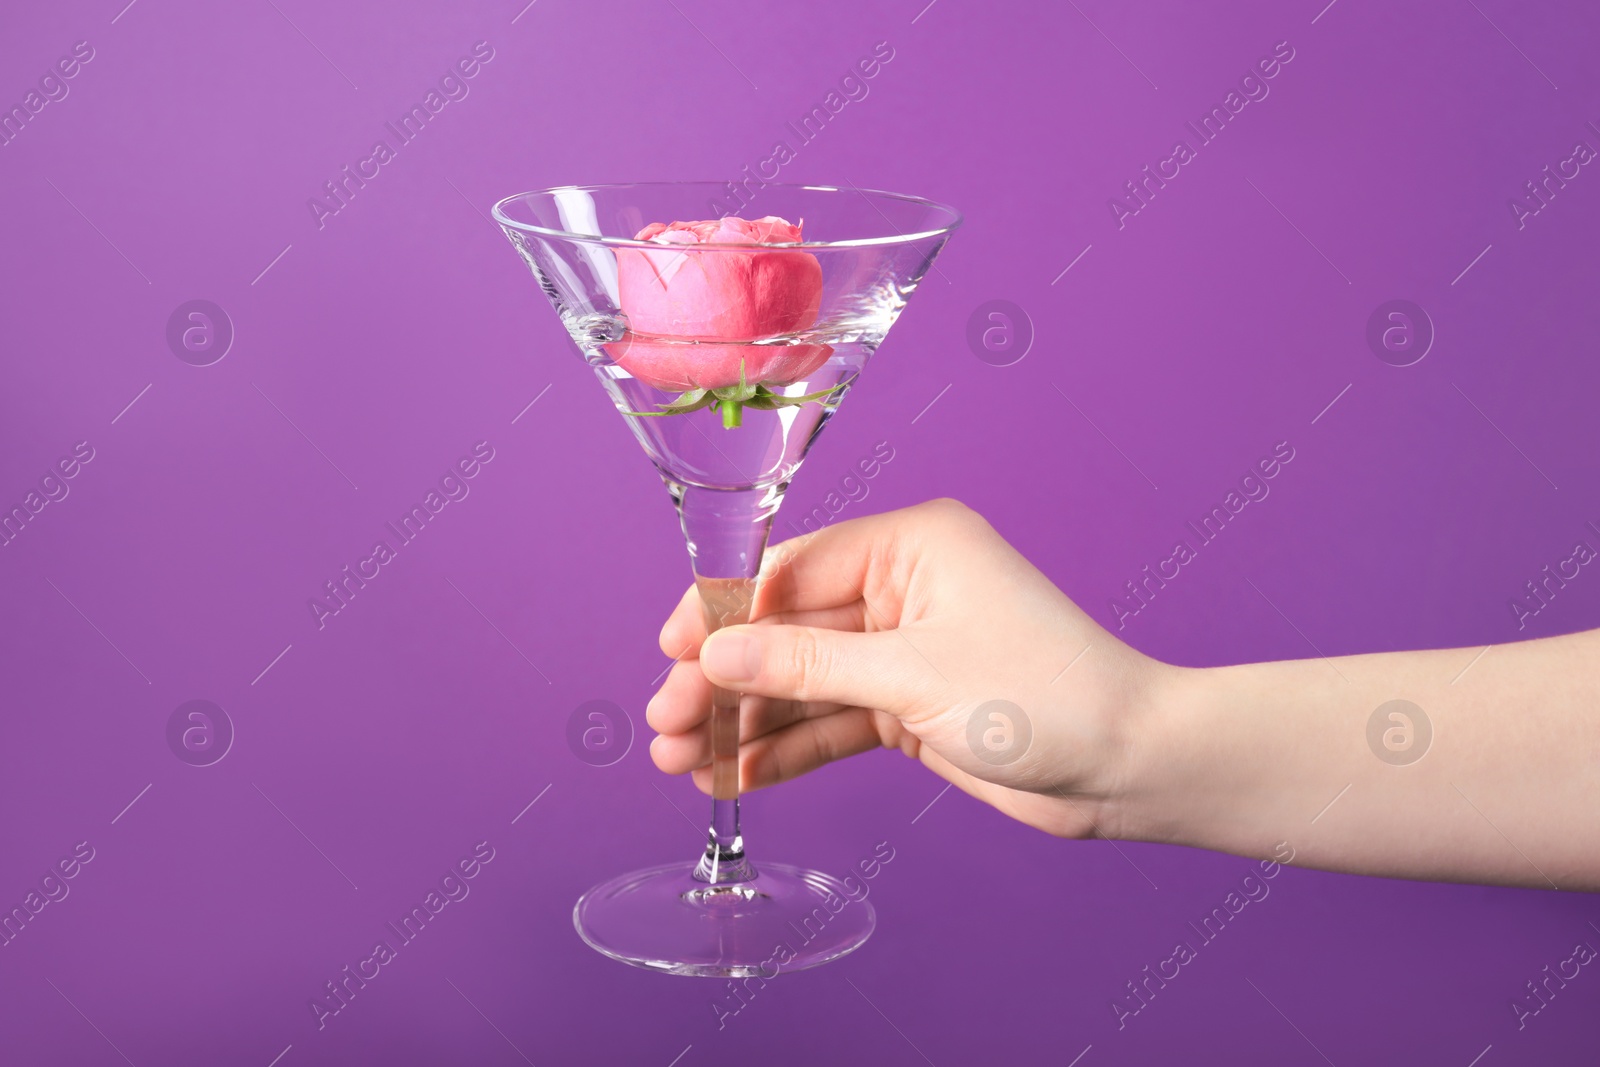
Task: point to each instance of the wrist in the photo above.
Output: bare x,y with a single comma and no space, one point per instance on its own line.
1162,735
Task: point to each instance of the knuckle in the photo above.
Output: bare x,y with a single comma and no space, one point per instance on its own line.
950,510
809,664
822,750
779,556
956,516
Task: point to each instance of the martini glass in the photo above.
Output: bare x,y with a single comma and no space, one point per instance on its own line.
727,463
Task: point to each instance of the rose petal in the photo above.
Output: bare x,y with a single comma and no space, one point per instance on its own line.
676,368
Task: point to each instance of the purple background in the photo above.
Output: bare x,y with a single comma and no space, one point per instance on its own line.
1223,318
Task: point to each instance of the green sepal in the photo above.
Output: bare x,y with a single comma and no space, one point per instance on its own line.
766,400
741,392
682,404
732,399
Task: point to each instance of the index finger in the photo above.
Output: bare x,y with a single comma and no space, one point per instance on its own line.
830,572
685,629
867,559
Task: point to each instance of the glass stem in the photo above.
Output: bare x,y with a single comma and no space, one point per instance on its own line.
726,531
724,859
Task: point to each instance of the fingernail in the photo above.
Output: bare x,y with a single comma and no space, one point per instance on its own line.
734,656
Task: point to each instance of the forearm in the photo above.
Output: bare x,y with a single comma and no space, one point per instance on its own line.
1506,791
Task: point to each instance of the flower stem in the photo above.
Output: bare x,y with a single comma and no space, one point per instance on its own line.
732,414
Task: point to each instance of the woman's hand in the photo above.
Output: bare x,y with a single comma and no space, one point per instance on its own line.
921,630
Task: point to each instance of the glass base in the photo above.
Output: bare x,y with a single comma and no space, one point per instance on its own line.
664,919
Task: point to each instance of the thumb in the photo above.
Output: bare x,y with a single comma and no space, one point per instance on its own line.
872,670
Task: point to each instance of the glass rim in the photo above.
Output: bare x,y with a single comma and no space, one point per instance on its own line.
954,218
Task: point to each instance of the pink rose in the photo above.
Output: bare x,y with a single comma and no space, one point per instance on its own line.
717,295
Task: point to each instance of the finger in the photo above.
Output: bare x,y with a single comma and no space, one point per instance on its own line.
865,558
829,568
799,748
872,670
685,631
676,753
683,702
685,628
806,745
849,617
